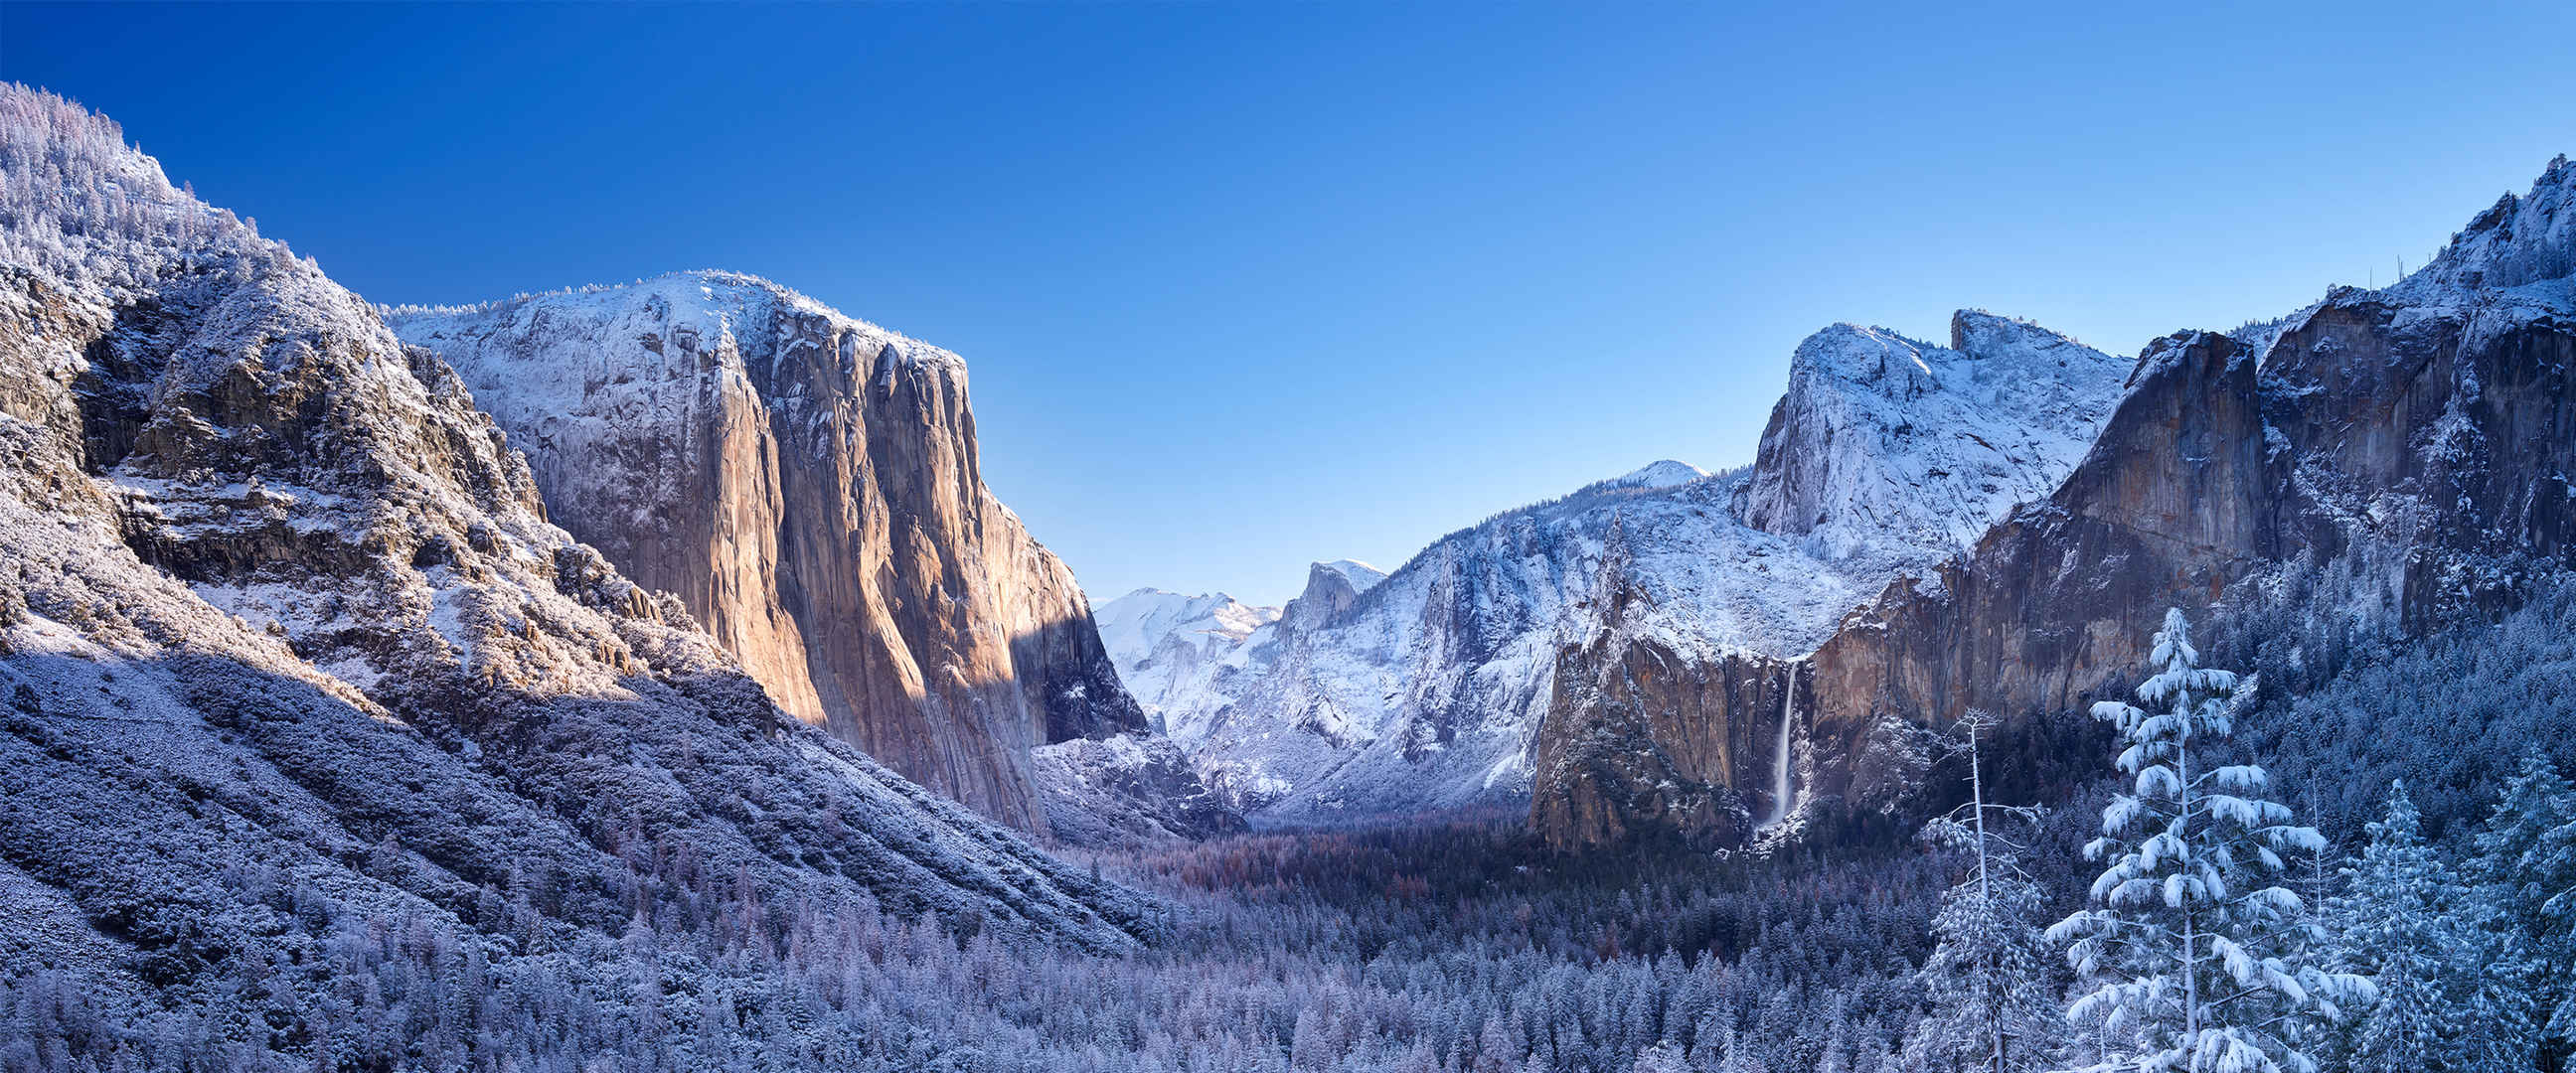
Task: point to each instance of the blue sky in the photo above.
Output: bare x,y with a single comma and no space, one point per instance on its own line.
1247,286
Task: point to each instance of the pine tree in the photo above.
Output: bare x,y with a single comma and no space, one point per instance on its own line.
1739,1056
2406,919
2526,869
1986,979
2198,959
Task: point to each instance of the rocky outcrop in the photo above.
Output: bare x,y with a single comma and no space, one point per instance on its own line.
1331,589
808,486
1641,736
2398,455
290,651
1883,443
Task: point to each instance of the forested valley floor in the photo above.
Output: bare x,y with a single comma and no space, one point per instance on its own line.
1466,945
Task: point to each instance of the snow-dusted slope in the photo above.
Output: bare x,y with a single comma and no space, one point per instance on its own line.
1885,445
1426,690
2520,240
1661,474
1169,648
292,652
1134,625
2399,457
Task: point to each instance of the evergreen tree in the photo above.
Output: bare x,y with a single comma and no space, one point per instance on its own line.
2526,871
2404,919
2199,961
1986,979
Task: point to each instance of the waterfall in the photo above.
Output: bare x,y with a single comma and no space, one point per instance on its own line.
1780,788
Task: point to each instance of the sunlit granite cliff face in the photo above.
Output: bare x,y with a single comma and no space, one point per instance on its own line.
808,485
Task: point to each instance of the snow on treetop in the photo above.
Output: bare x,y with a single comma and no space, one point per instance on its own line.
97,215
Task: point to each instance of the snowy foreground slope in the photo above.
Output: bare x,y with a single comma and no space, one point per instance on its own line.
1428,690
291,652
809,486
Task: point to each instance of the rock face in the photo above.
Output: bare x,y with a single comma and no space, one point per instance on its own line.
1886,455
2395,455
287,640
808,485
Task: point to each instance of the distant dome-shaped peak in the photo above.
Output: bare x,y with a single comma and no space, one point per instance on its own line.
1361,576
1662,473
1992,336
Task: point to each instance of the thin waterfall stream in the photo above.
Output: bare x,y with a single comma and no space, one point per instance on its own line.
1780,788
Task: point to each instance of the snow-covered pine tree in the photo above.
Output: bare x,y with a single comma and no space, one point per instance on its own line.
2406,919
1986,978
1739,1056
2199,961
2526,872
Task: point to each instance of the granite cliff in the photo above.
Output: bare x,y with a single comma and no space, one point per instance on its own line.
809,486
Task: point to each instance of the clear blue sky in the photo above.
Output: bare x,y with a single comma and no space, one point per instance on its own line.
1243,287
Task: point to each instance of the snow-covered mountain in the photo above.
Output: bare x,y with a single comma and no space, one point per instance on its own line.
1664,473
292,652
1925,529
2392,459
1170,648
1427,690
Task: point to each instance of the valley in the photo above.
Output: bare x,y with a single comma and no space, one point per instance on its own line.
644,677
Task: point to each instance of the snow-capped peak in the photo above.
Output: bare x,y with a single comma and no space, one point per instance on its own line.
1132,626
1423,689
1360,576
2520,239
1663,473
